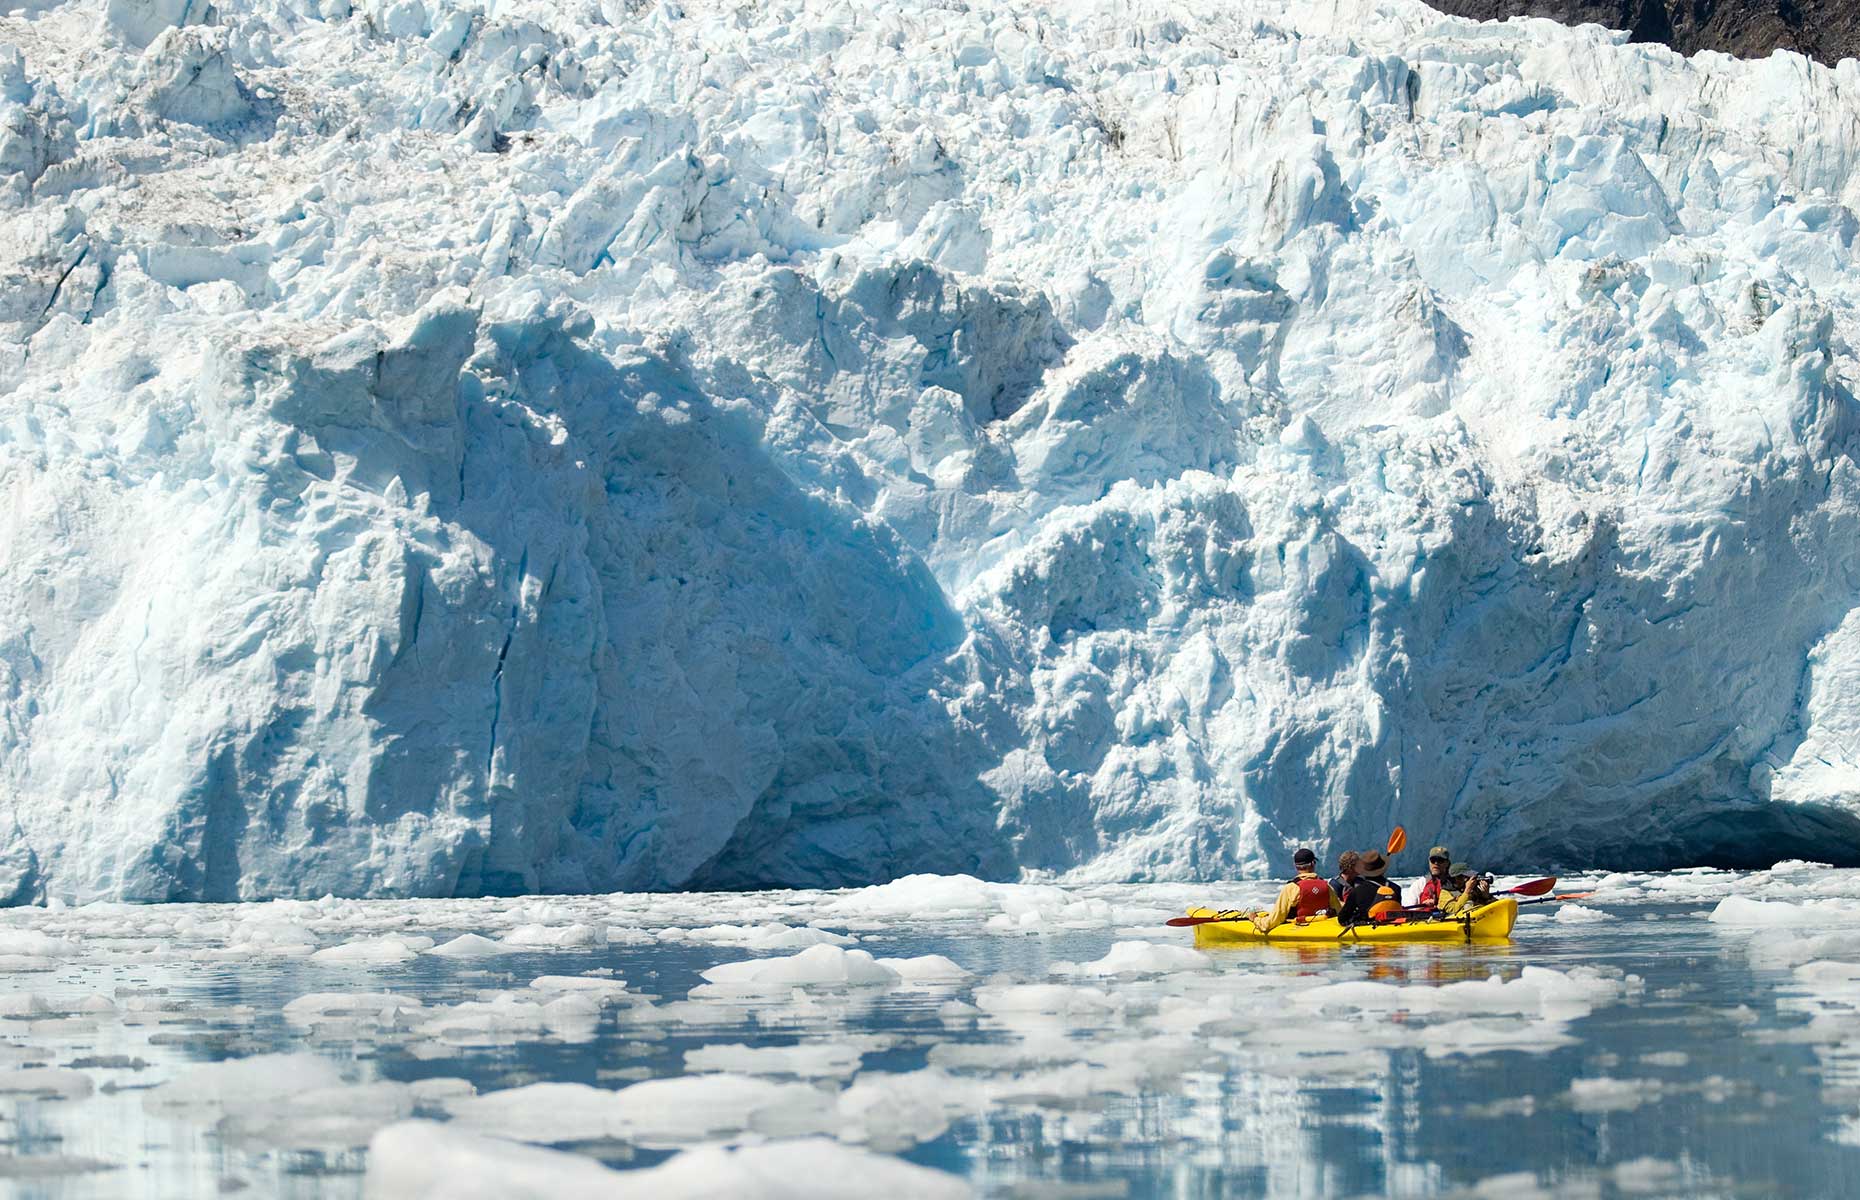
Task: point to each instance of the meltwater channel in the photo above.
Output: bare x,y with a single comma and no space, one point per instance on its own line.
1685,1034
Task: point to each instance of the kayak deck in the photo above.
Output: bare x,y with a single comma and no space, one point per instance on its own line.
1487,923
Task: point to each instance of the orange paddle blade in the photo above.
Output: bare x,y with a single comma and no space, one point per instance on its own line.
1398,841
1535,887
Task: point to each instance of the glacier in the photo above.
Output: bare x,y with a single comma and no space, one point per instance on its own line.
495,446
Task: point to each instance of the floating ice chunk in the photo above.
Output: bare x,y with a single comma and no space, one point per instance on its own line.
286,939
1536,991
22,1004
1140,958
896,1111
1798,866
319,1118
368,952
244,1082
1576,914
423,1160
361,1008
419,1160
603,991
509,1018
803,1169
49,1166
771,936
1739,910
817,966
658,1112
561,937
922,896
469,945
32,943
45,1082
926,969
1486,1034
1605,1094
810,1060
1043,999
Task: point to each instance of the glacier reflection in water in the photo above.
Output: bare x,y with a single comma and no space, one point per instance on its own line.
1685,1034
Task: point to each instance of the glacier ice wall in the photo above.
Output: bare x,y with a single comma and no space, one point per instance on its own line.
496,446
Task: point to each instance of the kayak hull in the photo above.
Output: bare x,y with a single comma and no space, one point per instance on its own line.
1487,923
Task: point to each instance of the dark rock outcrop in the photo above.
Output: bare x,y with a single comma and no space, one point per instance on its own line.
1826,30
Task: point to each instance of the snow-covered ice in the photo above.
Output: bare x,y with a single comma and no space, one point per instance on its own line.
461,447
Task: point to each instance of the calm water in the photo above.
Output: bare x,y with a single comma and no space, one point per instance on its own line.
1669,1054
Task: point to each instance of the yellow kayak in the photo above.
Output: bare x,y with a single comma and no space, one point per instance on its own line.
1487,923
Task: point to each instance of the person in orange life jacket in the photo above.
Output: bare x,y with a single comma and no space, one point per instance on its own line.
1306,896
1438,862
1346,873
1372,887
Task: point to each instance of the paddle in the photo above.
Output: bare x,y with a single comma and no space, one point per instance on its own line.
1535,887
1397,840
1558,896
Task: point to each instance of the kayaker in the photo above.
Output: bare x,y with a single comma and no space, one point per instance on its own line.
1439,860
1464,891
1371,889
1346,874
1308,895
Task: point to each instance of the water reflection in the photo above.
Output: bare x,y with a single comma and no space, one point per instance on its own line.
1633,1057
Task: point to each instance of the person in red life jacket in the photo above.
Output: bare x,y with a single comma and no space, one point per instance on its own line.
1346,874
1438,862
1306,896
1370,891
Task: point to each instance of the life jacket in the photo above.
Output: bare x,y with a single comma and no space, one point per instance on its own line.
1430,893
1388,899
1313,897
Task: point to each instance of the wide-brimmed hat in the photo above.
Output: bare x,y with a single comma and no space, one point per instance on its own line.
1371,862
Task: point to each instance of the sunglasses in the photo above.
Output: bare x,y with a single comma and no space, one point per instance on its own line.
1437,860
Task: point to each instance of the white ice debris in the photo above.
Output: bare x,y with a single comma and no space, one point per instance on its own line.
511,1017
557,937
51,1083
817,966
771,936
350,1008
469,945
243,1084
604,991
1140,958
465,448
810,1060
926,969
381,951
658,1112
1826,915
420,1160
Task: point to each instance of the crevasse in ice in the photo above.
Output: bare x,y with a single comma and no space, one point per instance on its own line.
484,447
